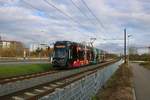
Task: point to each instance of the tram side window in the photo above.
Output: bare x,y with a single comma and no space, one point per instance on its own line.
81,54
88,55
74,52
92,55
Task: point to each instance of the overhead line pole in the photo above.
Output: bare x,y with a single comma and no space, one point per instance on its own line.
125,46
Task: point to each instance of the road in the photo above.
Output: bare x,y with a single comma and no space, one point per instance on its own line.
141,78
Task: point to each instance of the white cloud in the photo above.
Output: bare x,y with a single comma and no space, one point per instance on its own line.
20,21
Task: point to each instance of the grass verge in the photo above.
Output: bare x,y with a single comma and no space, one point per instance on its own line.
22,69
118,87
145,65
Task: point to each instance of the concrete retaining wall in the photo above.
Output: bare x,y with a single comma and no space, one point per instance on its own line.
84,88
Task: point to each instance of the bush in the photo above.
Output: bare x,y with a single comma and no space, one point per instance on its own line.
143,57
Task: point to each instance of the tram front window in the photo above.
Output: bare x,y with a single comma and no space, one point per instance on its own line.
60,53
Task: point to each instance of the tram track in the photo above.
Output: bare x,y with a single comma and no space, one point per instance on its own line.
23,77
34,75
45,86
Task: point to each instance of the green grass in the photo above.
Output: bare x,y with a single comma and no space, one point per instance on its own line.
22,69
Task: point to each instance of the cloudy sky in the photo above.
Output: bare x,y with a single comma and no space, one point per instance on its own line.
32,21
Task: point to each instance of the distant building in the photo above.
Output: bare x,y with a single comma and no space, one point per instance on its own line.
4,44
11,48
10,44
144,50
0,38
35,46
133,50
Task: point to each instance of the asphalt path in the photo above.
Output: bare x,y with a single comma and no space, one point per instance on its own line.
141,79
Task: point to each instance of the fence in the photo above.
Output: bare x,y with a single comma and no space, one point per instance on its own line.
84,88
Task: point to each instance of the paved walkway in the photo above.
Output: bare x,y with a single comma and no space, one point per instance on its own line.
141,78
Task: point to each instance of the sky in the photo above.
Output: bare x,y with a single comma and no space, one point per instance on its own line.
38,21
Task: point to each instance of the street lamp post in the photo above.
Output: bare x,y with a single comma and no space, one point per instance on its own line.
129,48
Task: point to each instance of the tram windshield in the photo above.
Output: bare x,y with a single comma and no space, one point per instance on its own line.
60,53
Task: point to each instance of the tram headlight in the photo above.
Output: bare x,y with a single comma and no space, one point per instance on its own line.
62,60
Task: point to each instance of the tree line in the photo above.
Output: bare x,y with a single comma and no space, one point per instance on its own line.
21,51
